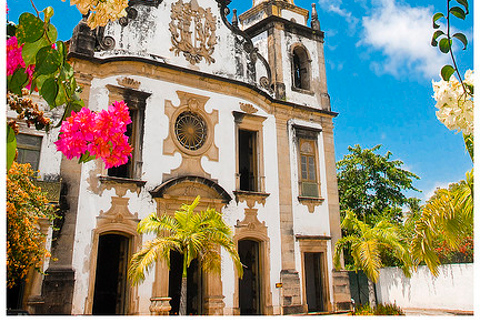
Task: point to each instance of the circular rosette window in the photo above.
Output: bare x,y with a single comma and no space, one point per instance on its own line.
191,130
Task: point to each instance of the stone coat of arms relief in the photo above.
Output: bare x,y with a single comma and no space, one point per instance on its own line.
193,31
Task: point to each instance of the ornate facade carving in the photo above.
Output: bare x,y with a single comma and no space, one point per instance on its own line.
191,157
193,31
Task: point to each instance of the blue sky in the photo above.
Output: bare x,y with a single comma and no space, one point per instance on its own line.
380,67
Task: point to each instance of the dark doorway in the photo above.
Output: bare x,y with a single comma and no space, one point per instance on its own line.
110,295
194,285
247,160
249,285
313,281
15,297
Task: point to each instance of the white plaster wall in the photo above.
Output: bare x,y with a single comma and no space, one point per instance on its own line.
155,164
288,15
451,290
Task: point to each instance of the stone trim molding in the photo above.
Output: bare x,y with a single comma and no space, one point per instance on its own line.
251,198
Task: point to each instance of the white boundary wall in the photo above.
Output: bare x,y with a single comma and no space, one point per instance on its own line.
451,290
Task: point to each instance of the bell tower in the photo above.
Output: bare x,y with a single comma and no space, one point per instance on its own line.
293,46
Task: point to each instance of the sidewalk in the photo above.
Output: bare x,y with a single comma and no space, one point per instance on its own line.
436,312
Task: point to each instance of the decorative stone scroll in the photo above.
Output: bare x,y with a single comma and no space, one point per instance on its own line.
193,31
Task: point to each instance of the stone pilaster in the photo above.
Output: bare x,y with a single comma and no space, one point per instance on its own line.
291,301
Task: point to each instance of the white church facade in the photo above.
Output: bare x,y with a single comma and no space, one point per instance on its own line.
234,110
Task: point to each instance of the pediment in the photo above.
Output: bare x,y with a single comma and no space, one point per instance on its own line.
191,34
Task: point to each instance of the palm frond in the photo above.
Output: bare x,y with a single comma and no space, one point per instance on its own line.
142,261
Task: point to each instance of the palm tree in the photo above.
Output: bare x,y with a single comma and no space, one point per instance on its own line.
448,215
366,244
195,235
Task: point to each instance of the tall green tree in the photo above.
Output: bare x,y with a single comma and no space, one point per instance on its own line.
369,183
366,243
195,235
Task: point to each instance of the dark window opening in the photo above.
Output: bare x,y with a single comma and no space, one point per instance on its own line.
126,170
249,286
110,296
301,67
28,147
313,281
247,160
194,285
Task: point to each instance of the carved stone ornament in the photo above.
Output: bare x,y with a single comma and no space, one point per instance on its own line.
128,82
248,108
193,31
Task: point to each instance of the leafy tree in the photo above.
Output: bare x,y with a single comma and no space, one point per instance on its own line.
366,243
26,204
369,183
195,235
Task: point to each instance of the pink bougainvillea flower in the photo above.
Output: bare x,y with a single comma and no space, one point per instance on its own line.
14,56
102,134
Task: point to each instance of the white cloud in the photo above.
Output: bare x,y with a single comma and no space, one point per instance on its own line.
402,33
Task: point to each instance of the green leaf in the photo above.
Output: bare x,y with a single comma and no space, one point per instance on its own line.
458,12
61,98
30,28
48,61
86,157
11,146
435,36
62,49
30,50
48,12
445,45
67,71
447,72
52,33
435,18
469,144
462,38
16,82
49,91
465,4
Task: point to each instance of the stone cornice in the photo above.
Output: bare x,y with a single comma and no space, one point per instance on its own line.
208,79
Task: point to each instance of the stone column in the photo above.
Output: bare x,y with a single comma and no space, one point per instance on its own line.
160,301
213,299
33,291
291,302
341,284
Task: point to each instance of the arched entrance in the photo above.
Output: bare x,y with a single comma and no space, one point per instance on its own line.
249,287
204,292
110,294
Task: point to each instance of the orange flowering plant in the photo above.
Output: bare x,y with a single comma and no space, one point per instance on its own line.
26,204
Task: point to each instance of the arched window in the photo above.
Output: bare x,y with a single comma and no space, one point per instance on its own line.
300,68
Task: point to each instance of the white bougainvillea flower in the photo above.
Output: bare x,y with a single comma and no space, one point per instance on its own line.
455,107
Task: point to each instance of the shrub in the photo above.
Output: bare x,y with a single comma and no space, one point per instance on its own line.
382,309
26,204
